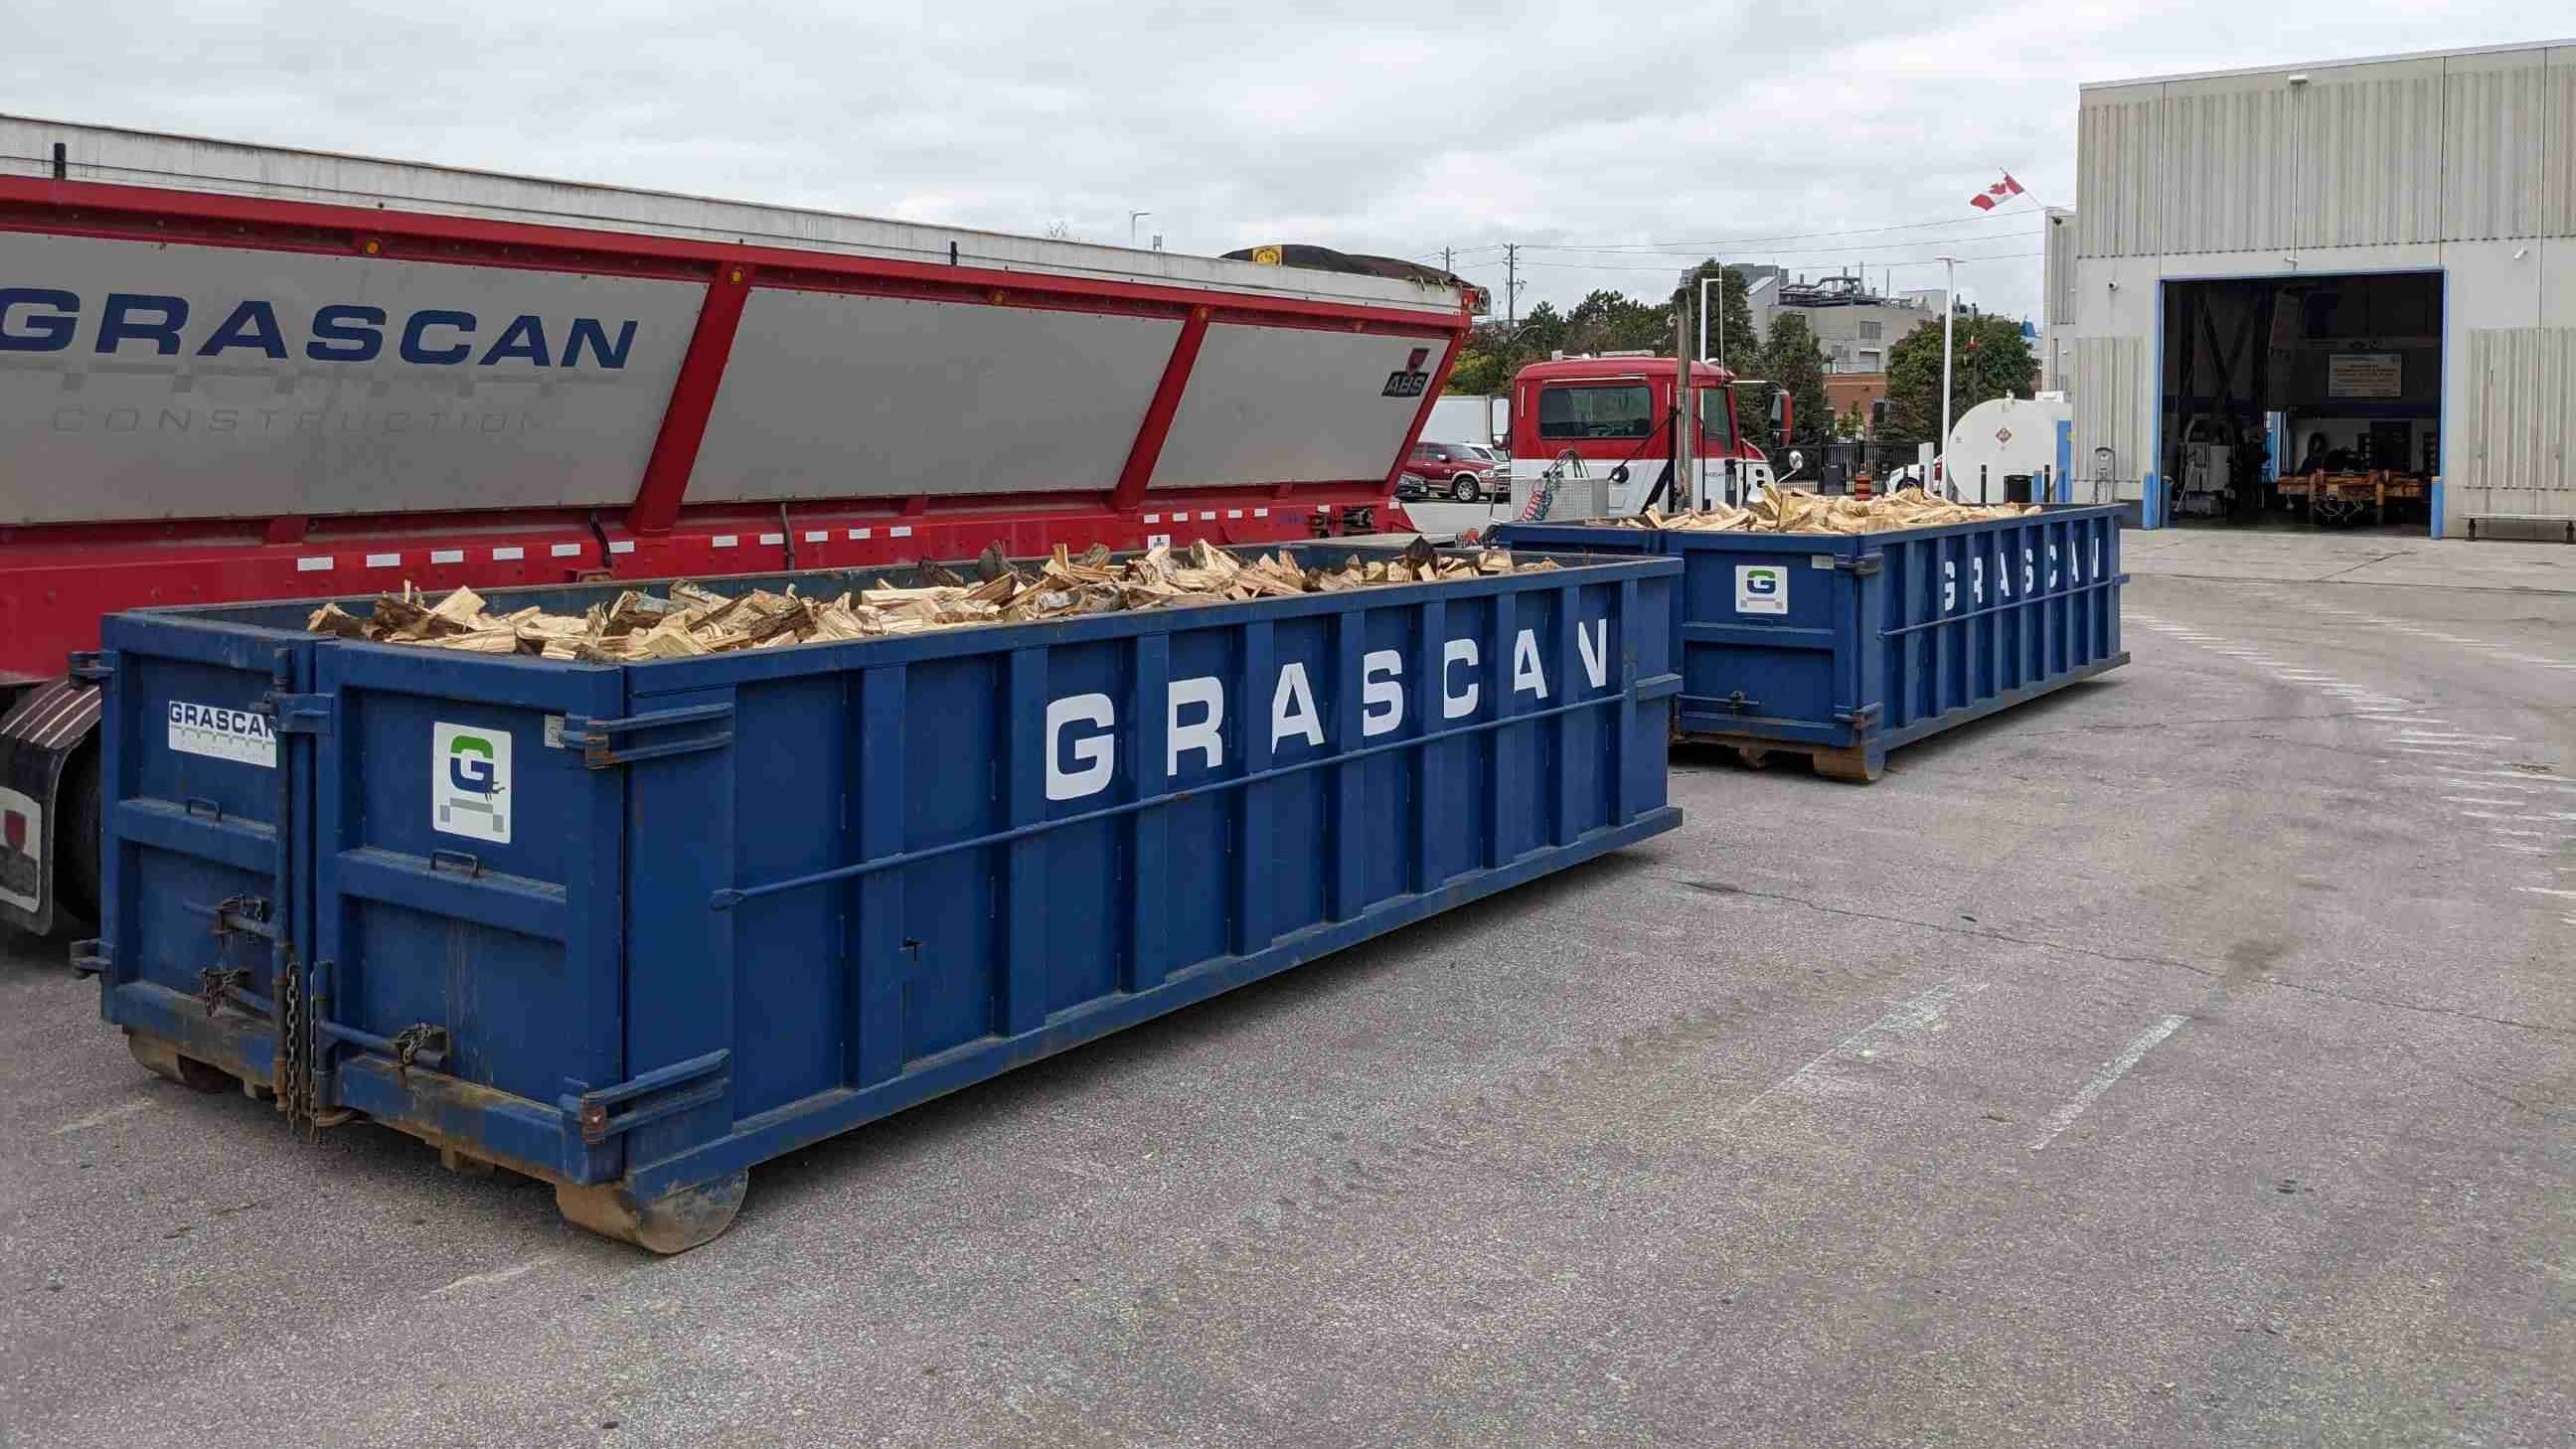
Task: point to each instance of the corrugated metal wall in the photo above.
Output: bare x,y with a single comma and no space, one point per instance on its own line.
2464,148
2236,147
2110,381
2494,132
2369,160
2522,418
2558,157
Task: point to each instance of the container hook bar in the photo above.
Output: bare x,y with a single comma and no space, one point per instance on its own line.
598,743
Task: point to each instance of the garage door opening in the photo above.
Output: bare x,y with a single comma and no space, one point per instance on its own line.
2303,401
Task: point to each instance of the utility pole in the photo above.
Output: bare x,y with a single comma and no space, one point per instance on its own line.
1511,285
1445,263
1949,309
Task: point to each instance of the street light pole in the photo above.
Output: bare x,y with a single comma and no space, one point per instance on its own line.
1132,218
1703,318
1949,309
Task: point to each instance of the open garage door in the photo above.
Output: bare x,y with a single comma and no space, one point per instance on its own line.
2303,401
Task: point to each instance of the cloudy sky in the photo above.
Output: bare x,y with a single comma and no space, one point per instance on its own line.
1615,142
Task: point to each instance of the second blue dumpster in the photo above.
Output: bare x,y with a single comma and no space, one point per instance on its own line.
1845,646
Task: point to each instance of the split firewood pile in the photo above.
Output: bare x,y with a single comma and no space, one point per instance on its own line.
693,619
1795,511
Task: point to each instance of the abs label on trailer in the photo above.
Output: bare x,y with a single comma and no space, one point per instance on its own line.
1761,589
469,782
238,735
1082,739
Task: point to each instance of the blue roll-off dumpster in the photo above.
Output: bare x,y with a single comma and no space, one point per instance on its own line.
1844,646
632,928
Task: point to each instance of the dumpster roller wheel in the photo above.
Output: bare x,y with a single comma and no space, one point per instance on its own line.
160,1057
673,1223
1853,764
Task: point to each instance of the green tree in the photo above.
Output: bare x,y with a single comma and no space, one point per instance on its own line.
1789,358
1738,343
1989,359
1541,332
1608,321
1480,372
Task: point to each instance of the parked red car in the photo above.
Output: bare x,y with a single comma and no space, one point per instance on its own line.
1461,471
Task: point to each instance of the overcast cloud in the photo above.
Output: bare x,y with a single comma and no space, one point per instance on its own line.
1367,127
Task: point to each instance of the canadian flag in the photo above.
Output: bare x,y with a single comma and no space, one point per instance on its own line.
1995,195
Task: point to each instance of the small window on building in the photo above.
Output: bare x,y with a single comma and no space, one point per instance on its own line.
1872,331
1626,411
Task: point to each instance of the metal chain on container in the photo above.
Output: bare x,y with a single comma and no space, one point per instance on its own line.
295,1085
217,982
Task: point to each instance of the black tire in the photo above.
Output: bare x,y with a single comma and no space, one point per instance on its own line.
76,836
1463,488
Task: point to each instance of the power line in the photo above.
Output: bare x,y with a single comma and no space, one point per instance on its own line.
1838,252
1744,241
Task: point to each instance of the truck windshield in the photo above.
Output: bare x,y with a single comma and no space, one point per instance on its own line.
1716,420
1615,411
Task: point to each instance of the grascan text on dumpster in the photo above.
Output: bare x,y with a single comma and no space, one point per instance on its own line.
1082,729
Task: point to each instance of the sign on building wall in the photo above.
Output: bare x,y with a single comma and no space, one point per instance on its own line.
2366,374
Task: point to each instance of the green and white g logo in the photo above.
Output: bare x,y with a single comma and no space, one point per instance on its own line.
470,782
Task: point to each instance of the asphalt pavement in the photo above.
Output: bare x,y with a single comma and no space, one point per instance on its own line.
2186,1058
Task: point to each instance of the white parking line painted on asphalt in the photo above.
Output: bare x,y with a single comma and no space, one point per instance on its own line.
2545,815
1921,1013
2112,1071
497,1275
102,1118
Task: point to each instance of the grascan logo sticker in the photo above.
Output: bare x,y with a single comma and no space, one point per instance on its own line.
239,735
1761,589
469,782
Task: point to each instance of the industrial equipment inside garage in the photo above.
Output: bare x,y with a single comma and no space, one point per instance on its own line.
2303,400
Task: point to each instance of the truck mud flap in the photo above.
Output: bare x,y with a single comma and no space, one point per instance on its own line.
38,737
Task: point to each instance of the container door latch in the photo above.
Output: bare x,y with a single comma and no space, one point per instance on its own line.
603,745
300,714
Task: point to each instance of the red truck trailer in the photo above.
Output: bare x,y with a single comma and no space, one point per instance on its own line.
233,372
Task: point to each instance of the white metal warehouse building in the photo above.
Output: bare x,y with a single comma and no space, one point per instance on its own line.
2364,265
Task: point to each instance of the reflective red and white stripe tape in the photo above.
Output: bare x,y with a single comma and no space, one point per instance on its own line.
54,715
1205,515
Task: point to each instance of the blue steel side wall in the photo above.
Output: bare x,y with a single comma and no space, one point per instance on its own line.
867,925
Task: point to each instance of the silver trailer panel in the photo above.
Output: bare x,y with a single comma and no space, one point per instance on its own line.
830,396
300,383
1278,405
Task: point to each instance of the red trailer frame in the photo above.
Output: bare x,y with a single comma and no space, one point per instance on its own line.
58,580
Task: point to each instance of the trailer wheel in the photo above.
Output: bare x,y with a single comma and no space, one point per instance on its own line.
76,835
673,1223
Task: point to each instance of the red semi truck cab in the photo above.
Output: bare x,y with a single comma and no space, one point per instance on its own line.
232,372
1609,410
